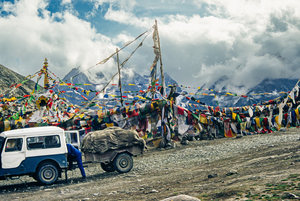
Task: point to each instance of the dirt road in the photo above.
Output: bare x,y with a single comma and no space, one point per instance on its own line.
266,170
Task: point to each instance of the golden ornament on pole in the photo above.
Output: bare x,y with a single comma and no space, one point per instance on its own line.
41,102
45,72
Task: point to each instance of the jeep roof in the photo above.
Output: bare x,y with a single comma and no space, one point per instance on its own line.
31,131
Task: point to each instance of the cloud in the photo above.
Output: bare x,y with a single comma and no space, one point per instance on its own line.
120,4
123,38
127,18
245,40
63,2
31,34
201,40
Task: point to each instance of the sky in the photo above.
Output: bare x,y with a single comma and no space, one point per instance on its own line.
201,40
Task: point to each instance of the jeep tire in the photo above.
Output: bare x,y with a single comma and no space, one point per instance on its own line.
47,174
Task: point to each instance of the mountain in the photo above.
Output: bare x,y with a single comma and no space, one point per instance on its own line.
168,81
131,82
252,95
271,86
224,83
274,85
84,78
8,78
87,83
220,84
134,82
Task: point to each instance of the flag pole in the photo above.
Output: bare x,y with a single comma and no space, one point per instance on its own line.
163,126
161,64
120,86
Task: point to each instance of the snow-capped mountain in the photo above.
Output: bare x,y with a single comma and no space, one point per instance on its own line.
274,85
132,82
80,78
271,87
224,83
220,84
86,84
220,93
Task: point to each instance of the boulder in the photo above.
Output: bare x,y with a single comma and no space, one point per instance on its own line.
181,198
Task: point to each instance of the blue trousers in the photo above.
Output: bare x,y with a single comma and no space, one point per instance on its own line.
79,163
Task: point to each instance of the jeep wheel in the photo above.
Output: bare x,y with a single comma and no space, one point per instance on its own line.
47,174
123,163
108,167
34,177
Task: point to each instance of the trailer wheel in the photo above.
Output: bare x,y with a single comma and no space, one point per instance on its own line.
123,163
108,167
47,174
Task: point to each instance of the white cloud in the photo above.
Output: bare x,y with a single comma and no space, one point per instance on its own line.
245,40
127,18
123,38
7,6
201,40
63,2
29,37
121,4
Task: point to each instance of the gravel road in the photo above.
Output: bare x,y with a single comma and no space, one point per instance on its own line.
204,151
148,171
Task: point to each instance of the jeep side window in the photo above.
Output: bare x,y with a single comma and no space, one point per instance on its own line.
14,145
81,135
73,137
43,142
52,141
35,143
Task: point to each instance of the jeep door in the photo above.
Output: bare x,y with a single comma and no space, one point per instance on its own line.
72,137
13,153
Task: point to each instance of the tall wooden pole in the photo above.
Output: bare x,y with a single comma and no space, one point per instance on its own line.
120,85
161,64
163,85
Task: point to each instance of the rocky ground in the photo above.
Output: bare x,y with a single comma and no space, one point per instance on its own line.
257,167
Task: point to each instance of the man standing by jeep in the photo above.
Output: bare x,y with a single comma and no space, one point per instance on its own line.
75,154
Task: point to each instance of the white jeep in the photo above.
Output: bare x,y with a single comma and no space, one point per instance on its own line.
39,152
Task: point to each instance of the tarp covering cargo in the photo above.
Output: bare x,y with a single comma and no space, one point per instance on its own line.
110,138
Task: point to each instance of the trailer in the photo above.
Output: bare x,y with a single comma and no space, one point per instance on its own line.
113,148
118,159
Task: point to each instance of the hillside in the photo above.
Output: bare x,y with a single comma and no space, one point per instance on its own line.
8,78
